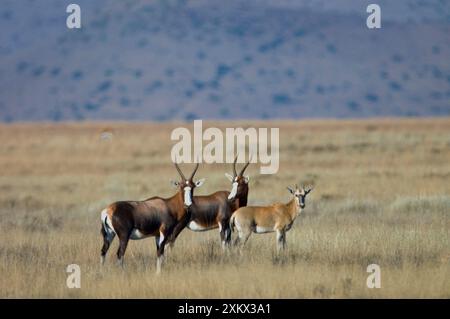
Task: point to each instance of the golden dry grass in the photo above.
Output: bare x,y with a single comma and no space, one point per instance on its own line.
382,196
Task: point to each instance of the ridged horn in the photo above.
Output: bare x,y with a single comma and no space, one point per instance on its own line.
195,171
245,167
234,166
179,171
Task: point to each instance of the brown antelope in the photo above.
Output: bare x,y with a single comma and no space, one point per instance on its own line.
214,210
277,218
155,216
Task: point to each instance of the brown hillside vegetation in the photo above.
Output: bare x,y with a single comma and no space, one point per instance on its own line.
382,195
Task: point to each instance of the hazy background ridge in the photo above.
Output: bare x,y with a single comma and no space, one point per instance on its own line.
165,60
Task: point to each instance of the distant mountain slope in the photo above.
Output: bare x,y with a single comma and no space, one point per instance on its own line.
163,60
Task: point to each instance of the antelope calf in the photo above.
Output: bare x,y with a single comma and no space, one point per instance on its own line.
155,216
277,218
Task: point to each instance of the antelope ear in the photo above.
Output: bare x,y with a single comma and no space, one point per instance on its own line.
230,177
290,190
199,182
174,183
246,179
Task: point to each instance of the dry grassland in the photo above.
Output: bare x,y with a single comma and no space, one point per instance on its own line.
382,195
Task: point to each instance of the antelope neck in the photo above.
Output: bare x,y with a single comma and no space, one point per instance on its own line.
293,207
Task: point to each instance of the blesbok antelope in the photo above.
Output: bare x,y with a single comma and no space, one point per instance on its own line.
155,216
214,210
277,218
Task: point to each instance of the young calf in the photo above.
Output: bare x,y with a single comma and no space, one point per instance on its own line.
156,216
277,218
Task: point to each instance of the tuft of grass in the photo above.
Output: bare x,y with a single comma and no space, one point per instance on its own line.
422,205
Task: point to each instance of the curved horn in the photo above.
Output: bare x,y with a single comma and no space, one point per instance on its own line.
195,171
234,166
244,168
179,171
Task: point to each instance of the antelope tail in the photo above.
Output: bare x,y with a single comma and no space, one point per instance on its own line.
104,219
232,222
105,224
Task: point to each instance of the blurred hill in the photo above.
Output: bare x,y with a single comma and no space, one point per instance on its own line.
164,60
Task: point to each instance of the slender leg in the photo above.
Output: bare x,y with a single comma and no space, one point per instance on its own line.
123,242
244,238
227,233
223,234
107,239
281,240
157,242
237,229
237,240
159,262
160,253
170,245
176,231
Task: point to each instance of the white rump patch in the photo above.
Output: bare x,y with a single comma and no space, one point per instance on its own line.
187,196
262,230
233,190
104,215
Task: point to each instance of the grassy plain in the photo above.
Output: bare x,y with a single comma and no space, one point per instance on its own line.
382,195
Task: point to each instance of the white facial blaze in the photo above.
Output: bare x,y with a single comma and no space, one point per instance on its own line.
187,196
233,191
